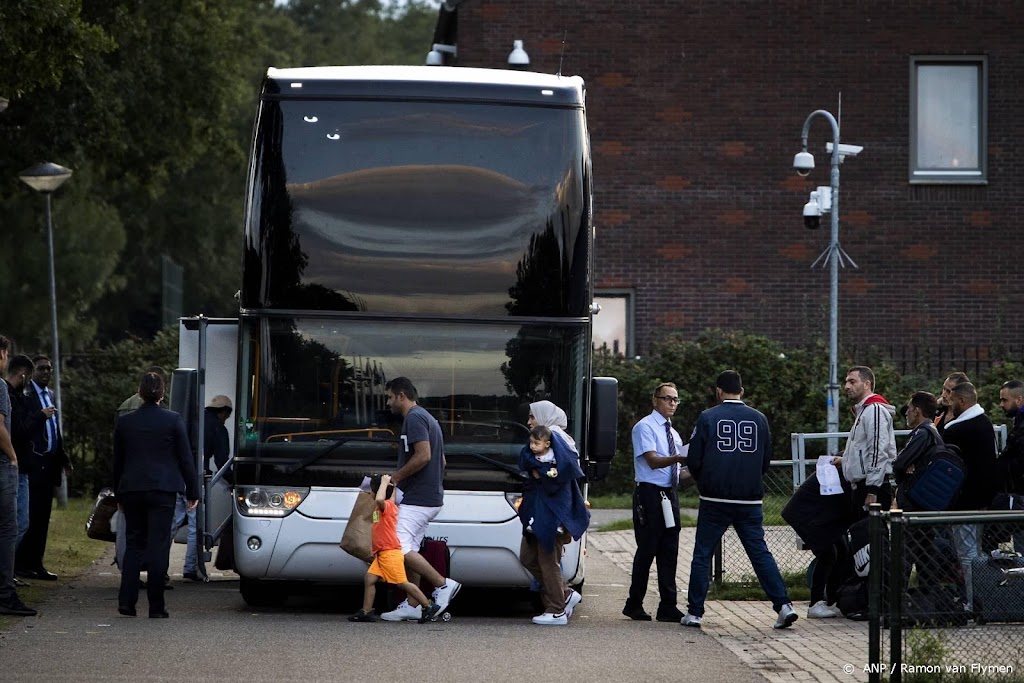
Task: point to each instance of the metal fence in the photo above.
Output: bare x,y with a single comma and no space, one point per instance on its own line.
946,596
933,360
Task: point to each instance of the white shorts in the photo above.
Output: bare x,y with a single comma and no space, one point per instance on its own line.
412,525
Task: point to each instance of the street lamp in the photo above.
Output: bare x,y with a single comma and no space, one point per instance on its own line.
828,198
46,178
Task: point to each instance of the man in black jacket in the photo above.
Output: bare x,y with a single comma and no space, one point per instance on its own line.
50,461
730,452
1011,459
24,423
971,431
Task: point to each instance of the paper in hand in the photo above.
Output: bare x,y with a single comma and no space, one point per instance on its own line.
828,476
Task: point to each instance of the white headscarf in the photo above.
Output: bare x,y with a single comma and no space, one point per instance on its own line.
551,416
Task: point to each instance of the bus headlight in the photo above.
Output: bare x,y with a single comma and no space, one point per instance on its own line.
268,501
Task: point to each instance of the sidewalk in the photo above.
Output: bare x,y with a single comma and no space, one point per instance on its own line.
812,650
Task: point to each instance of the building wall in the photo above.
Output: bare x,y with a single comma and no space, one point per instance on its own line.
695,111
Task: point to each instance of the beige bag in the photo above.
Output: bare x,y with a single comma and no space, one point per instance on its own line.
356,540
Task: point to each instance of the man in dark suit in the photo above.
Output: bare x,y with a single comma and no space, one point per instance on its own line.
50,462
152,464
971,431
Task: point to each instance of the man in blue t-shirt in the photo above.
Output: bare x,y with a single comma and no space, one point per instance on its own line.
420,478
729,454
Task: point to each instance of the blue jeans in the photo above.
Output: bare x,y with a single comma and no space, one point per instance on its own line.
22,506
181,510
748,520
8,528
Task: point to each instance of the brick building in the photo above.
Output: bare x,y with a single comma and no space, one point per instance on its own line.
695,112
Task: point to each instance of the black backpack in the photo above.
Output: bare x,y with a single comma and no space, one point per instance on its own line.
937,479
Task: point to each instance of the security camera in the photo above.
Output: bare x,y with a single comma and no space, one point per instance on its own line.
845,150
803,163
812,213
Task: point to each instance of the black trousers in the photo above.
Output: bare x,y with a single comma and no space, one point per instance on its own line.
147,517
40,504
830,571
654,543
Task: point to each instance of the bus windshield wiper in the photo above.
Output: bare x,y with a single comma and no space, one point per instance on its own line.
310,459
497,464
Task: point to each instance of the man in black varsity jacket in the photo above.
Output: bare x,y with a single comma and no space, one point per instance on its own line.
730,451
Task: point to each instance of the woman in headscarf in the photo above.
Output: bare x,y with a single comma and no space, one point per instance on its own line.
553,511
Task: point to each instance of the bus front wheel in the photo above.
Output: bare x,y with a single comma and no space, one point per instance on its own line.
258,593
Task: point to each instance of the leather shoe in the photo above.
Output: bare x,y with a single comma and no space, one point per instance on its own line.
159,615
126,610
636,613
671,615
18,583
44,575
192,576
17,608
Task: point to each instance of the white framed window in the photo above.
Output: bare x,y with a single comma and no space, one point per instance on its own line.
613,326
948,119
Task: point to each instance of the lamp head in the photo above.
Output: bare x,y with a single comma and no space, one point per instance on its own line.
518,56
45,177
803,162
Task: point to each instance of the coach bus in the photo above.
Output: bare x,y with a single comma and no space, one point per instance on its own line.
427,222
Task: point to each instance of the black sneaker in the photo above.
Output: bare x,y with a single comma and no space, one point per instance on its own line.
430,612
363,616
192,576
17,608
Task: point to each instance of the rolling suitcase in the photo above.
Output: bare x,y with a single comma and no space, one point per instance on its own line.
998,588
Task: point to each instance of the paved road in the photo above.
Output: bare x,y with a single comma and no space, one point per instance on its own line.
212,635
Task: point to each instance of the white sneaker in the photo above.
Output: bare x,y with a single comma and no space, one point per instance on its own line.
787,615
690,620
445,594
820,610
571,602
404,612
549,619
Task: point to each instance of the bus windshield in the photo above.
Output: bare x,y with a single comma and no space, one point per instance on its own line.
316,383
426,208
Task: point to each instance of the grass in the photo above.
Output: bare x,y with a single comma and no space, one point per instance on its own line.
69,552
625,524
617,501
773,504
796,585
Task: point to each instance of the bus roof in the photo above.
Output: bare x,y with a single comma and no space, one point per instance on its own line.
425,82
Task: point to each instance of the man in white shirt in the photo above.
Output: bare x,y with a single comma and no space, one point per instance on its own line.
657,454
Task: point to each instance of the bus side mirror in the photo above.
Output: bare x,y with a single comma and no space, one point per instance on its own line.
604,420
183,389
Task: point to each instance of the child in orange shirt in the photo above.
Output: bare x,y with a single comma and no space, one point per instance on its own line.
388,561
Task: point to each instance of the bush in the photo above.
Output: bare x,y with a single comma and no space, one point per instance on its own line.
95,383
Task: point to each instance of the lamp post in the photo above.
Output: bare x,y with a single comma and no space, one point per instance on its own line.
803,162
46,178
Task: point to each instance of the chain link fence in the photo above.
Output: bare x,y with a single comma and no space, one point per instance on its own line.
946,596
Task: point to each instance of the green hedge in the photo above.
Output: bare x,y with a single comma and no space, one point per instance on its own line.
786,384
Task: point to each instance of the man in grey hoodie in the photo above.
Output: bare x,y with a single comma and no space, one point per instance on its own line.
871,446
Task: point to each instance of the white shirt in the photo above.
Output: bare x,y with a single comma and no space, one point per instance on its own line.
649,435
